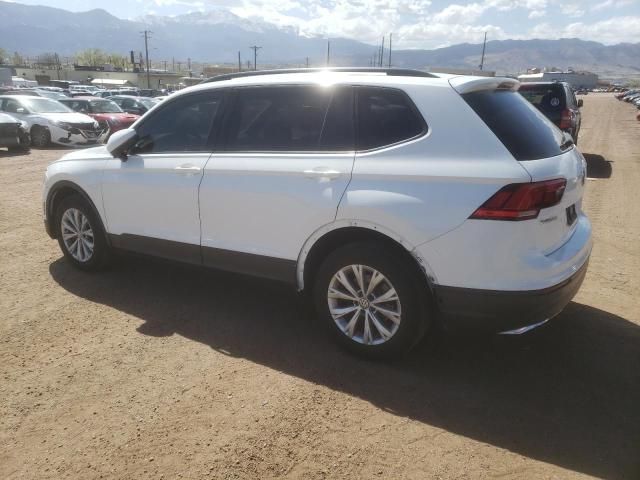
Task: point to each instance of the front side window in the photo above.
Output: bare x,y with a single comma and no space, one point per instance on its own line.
183,125
291,118
386,116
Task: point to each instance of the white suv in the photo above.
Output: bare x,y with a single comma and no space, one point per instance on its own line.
395,198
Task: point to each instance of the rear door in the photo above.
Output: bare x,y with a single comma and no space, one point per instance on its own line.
286,162
543,150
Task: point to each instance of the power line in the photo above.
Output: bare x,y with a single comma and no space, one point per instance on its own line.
255,49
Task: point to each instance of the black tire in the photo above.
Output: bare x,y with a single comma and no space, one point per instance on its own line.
411,290
101,252
40,136
24,145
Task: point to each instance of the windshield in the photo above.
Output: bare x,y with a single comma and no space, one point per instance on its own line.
148,102
104,106
52,95
45,105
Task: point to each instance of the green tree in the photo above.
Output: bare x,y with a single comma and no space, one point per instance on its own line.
91,57
118,61
3,55
17,59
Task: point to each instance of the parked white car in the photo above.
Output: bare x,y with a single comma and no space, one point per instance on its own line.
395,198
51,122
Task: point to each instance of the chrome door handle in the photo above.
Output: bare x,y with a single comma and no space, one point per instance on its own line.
322,173
187,168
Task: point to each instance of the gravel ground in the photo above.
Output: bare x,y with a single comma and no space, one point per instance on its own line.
154,370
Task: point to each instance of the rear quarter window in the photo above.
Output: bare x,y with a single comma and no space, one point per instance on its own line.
386,116
524,131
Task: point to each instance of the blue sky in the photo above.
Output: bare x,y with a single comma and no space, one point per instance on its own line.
414,23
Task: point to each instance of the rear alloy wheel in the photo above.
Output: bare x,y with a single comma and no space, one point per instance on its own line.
80,234
364,304
371,300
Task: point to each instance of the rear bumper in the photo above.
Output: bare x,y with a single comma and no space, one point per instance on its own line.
500,311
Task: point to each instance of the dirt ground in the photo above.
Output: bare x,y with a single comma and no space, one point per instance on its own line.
154,370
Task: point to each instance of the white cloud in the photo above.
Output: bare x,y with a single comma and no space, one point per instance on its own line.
607,4
572,10
460,14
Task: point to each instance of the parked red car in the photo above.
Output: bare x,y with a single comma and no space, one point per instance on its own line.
107,113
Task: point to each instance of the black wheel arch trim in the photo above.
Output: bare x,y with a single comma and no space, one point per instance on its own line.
50,201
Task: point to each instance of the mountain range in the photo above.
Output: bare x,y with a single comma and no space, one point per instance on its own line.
217,35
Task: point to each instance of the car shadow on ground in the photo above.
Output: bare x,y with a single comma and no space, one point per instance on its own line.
597,166
6,153
567,394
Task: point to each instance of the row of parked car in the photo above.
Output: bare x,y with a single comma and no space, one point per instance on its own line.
631,96
30,119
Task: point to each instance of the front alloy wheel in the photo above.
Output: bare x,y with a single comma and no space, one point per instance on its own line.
364,304
77,234
80,234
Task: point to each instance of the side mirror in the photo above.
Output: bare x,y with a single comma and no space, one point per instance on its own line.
120,142
580,103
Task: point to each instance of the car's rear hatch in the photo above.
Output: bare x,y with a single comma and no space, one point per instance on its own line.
542,149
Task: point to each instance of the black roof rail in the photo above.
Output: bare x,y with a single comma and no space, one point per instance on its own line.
396,72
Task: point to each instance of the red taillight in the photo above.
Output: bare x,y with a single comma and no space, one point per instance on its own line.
521,201
566,119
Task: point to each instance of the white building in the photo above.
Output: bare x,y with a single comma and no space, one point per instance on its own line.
575,79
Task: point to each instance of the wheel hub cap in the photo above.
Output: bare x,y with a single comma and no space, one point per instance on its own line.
364,304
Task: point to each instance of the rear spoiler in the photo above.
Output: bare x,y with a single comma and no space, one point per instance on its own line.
464,85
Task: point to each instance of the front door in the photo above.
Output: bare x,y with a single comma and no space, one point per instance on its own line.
151,199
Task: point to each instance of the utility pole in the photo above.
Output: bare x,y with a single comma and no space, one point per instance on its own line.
390,38
189,64
382,51
239,62
484,46
165,65
255,49
328,52
307,62
173,64
147,33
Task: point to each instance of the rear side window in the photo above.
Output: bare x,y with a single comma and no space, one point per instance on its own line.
525,131
291,118
386,116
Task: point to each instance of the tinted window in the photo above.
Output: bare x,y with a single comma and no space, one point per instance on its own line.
547,98
183,125
294,118
386,116
525,131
